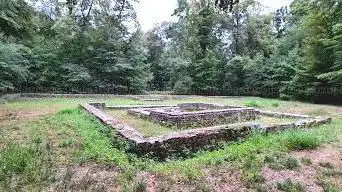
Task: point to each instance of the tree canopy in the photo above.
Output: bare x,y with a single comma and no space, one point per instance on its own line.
221,47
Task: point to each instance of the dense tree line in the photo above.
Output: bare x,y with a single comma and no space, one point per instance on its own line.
77,46
292,53
216,47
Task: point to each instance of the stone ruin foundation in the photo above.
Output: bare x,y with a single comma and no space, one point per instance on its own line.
196,114
206,115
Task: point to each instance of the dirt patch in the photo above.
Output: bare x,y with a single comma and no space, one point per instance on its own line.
306,176
328,160
224,179
325,154
30,114
89,177
7,116
149,179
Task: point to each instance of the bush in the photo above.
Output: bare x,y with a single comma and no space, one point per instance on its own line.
290,186
301,141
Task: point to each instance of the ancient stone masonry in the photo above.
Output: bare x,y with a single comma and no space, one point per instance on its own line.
125,131
196,114
199,137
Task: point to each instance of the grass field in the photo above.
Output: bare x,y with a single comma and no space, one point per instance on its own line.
52,145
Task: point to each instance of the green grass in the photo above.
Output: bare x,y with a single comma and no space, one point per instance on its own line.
76,138
251,104
262,103
290,186
146,127
302,140
95,144
248,155
25,167
280,161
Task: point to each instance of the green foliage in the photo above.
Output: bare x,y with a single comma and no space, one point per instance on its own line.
67,54
235,75
279,161
290,186
23,165
96,144
302,141
14,65
306,161
97,46
326,165
179,78
251,104
16,18
275,104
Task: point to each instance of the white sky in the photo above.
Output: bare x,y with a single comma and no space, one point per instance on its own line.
151,12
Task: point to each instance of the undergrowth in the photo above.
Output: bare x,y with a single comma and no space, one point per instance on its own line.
25,167
96,145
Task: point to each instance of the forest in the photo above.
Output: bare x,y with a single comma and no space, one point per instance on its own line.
214,48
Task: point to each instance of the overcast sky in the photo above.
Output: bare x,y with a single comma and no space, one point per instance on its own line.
151,12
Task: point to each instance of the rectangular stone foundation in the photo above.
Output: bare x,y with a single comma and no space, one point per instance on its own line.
203,118
196,114
195,139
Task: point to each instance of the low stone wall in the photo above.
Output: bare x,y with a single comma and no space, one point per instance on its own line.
201,106
125,131
284,115
143,107
195,114
191,139
196,138
306,123
203,118
144,112
147,98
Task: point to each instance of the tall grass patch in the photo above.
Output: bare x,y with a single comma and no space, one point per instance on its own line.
25,167
301,140
95,143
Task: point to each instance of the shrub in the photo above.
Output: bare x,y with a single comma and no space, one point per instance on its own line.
291,163
290,186
301,141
